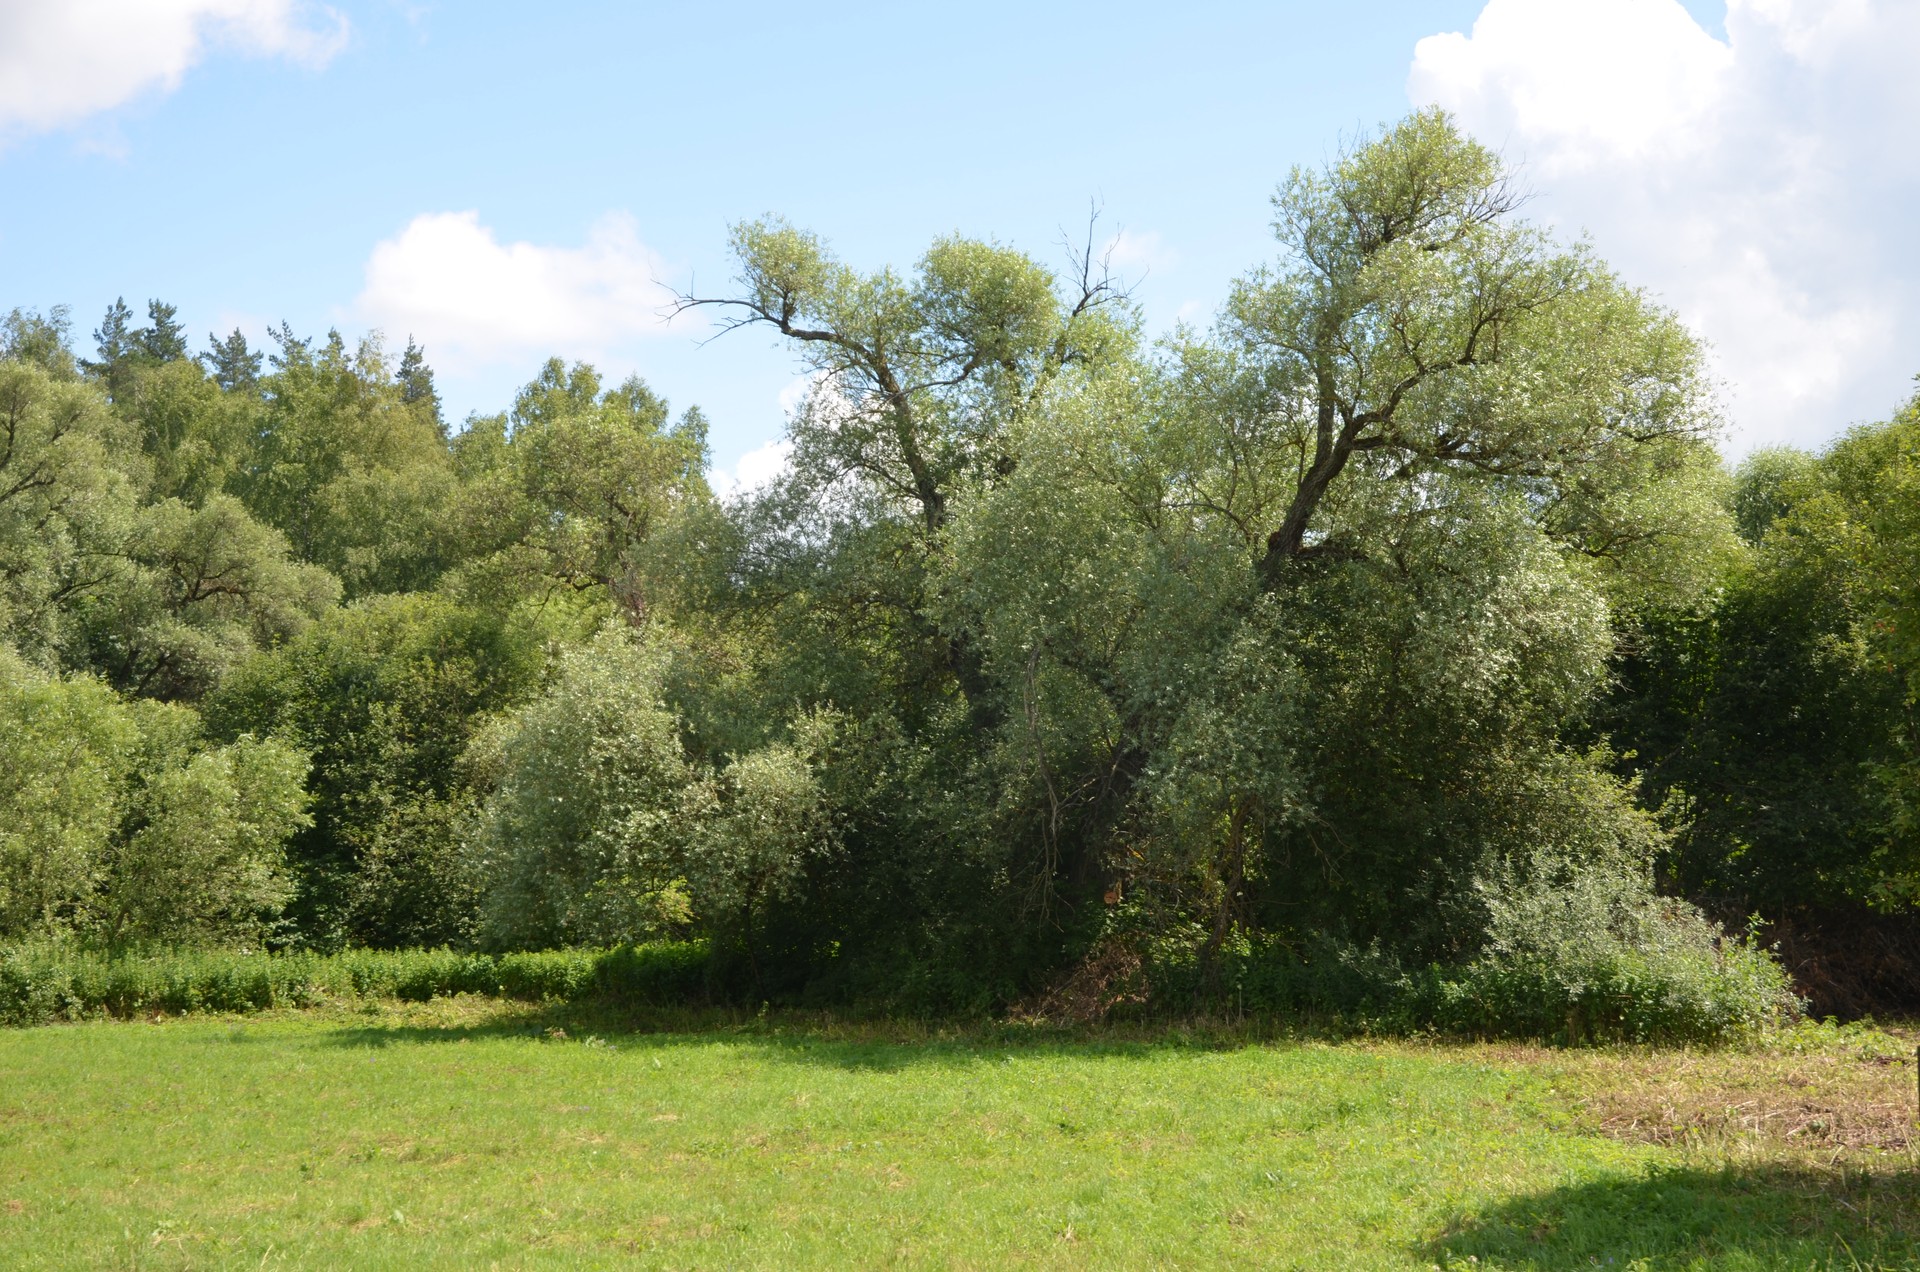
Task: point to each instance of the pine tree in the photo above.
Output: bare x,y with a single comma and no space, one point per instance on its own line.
164,339
294,352
415,379
234,366
117,345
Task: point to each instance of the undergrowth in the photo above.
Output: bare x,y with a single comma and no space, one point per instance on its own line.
42,983
1706,996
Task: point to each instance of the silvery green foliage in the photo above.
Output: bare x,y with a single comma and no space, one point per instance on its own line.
1560,912
1475,617
566,492
764,817
1443,675
1310,602
99,569
916,377
601,830
66,751
1379,729
1413,327
67,502
582,836
1230,770
201,588
1594,938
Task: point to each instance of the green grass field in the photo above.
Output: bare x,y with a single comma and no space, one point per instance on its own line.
467,1133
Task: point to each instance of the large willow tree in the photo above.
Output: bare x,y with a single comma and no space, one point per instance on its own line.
1283,629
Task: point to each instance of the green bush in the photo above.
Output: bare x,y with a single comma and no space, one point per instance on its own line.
1682,982
120,823
46,982
385,695
1696,996
1591,952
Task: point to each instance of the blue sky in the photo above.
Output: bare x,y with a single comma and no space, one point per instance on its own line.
512,180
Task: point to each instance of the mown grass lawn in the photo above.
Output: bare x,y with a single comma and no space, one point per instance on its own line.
462,1134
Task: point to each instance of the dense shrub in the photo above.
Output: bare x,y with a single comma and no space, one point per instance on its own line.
1053,668
119,823
1674,994
1724,993
1594,952
580,836
1691,990
1595,958
601,829
384,695
48,982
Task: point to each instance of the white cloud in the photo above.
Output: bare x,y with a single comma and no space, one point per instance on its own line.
765,464
63,60
1591,81
472,300
1760,185
753,471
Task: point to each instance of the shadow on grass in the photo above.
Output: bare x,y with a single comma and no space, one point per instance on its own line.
833,1041
1769,1216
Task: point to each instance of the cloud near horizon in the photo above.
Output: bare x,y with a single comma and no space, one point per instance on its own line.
450,283
1760,185
62,61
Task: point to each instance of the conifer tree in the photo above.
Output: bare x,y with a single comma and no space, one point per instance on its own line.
415,379
294,351
164,339
116,344
234,366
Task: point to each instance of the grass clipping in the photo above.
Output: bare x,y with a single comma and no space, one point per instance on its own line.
1821,1092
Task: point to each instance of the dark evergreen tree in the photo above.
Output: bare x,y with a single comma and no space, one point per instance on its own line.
234,366
415,379
294,352
164,338
116,344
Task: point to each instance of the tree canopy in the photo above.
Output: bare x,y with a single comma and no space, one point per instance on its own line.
1405,607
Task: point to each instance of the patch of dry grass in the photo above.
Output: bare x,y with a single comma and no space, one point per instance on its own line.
1814,1094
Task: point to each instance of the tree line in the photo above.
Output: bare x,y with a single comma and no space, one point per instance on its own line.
1407,615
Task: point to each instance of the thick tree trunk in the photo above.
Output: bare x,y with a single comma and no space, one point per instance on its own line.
1335,440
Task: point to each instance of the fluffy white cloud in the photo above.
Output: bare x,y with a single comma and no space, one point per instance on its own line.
755,470
1760,185
472,300
63,60
1593,81
763,465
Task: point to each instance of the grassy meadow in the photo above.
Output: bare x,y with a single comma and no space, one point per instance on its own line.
468,1132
